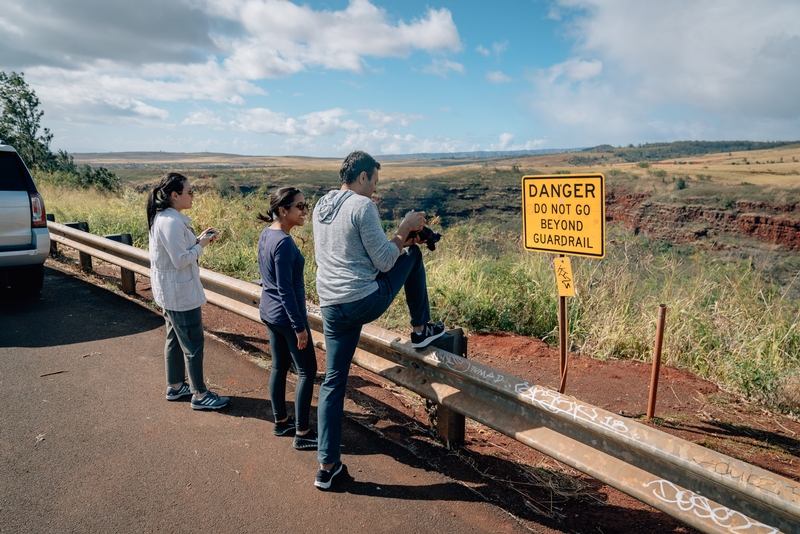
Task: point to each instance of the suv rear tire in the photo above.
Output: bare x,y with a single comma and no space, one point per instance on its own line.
27,280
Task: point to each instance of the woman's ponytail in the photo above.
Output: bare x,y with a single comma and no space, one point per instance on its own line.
159,198
280,197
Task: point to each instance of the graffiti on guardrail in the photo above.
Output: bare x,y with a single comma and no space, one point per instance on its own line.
547,399
689,501
748,477
555,402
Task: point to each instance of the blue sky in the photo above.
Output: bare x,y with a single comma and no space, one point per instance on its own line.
322,78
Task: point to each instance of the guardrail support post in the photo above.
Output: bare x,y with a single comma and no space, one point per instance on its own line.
449,423
127,276
53,244
85,259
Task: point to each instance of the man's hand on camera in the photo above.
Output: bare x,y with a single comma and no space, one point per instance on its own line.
413,221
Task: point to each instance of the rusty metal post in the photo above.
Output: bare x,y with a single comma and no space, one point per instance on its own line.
85,259
127,276
562,342
450,425
651,405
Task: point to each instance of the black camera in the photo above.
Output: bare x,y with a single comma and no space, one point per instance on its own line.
427,236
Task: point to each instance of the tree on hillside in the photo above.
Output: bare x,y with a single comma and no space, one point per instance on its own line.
19,127
19,121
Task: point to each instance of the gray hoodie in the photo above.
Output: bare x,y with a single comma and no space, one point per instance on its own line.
350,247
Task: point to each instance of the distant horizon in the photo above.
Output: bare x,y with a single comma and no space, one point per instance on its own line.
477,154
425,155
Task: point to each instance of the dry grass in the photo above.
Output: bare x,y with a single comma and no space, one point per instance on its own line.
727,320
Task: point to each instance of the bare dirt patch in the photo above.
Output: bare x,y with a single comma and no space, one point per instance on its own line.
543,494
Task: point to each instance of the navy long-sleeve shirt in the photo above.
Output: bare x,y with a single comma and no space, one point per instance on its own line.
283,293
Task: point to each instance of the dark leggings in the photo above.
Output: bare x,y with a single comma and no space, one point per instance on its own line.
283,345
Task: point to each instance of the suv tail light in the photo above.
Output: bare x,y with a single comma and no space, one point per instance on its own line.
38,217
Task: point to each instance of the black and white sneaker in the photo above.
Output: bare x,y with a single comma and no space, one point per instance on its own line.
284,427
325,477
306,442
210,401
178,392
429,332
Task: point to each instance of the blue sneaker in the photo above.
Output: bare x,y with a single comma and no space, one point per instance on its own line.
210,401
177,393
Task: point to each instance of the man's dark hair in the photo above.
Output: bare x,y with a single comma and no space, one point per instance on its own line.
354,164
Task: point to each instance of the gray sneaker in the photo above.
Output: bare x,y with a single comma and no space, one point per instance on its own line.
211,401
177,393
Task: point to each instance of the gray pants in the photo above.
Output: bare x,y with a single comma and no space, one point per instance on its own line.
183,351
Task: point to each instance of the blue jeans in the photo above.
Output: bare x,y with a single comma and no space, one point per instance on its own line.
283,346
342,327
183,350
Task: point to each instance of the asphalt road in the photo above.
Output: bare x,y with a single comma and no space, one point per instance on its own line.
88,442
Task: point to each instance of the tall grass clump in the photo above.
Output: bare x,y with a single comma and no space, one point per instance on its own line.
106,212
726,320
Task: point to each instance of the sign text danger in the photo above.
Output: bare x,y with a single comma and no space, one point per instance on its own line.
564,214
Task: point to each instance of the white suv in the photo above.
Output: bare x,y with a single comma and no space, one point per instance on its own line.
24,238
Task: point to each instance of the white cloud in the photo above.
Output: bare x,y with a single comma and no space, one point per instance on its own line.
497,77
203,117
440,67
505,140
93,60
265,121
319,123
499,48
283,38
574,70
664,71
505,143
382,142
382,119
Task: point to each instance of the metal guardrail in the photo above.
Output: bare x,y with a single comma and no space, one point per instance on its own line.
705,489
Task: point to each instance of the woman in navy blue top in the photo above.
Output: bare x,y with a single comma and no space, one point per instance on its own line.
283,310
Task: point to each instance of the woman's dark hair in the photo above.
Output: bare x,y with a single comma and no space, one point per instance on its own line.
280,197
159,197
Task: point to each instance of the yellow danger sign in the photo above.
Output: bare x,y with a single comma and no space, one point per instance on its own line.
564,214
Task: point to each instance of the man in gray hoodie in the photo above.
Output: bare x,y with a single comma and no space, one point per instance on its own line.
359,273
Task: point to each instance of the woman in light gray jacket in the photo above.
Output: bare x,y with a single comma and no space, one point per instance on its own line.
175,279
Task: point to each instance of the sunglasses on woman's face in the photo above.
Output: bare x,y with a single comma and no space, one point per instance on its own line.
302,206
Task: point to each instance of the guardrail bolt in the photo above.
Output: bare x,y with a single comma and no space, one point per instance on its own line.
127,276
85,259
450,424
